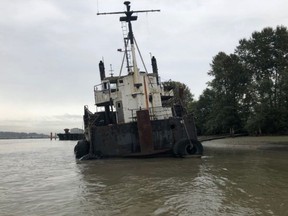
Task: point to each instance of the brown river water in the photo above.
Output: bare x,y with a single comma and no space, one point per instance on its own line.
246,177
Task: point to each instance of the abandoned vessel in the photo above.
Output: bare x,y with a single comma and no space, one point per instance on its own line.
74,134
131,118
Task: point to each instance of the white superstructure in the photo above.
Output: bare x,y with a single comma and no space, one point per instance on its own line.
121,94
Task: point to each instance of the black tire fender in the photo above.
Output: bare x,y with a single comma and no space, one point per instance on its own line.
187,147
81,148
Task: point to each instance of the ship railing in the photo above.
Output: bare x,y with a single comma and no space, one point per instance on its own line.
155,113
104,92
167,93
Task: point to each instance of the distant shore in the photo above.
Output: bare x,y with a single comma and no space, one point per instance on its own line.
4,138
21,135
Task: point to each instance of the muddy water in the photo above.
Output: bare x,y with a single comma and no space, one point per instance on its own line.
41,177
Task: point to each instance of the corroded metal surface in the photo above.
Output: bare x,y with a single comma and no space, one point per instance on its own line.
144,131
142,138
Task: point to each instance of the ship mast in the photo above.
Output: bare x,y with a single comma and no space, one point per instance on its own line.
129,18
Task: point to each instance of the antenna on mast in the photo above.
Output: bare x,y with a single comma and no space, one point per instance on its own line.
127,3
128,18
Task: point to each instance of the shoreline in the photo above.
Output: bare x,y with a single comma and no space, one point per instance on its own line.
276,142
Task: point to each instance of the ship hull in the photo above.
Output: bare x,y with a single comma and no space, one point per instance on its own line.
166,137
70,136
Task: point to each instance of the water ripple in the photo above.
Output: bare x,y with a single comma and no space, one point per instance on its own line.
43,178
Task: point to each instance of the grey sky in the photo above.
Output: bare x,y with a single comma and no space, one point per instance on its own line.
50,50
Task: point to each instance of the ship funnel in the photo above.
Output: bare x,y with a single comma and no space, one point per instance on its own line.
155,68
102,70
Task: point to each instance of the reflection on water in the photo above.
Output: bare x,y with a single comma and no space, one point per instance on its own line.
41,177
135,187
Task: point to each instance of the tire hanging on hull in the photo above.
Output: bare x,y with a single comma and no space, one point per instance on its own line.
187,147
81,149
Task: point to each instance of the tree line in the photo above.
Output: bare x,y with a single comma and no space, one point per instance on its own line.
249,88
21,135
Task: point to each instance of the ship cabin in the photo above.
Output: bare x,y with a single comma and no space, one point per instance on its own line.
120,97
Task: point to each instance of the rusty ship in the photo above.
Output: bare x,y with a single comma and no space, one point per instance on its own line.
73,134
132,118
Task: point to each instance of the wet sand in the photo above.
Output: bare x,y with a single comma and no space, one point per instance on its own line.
250,142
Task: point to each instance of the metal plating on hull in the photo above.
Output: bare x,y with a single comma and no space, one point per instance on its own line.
133,118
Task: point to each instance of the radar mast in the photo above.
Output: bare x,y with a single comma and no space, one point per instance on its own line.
128,18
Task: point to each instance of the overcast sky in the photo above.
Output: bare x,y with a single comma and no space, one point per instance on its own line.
50,50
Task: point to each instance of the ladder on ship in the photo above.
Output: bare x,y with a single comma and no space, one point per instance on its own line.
127,52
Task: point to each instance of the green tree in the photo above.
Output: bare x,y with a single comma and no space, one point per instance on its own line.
203,111
229,84
265,56
182,94
249,89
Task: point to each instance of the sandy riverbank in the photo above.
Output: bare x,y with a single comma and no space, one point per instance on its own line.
259,142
